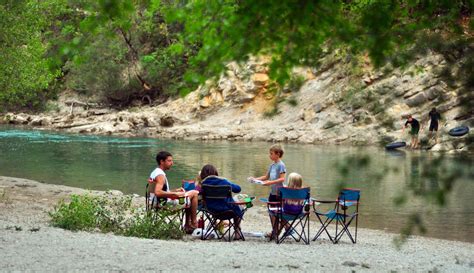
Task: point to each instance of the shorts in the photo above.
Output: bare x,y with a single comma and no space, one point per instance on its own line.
414,131
175,202
433,126
170,202
274,198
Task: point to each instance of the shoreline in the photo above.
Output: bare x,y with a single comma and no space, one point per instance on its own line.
25,232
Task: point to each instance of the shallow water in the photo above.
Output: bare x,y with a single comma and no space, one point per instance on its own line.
102,163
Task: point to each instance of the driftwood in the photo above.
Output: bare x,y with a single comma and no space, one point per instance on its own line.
73,125
80,103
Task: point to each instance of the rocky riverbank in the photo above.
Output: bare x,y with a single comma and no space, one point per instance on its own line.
28,243
330,105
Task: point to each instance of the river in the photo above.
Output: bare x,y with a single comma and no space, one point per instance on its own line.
102,163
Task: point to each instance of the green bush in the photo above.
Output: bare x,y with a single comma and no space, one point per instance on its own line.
271,112
79,214
107,213
295,83
153,226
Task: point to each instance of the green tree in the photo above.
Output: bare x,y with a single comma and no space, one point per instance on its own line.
123,50
25,73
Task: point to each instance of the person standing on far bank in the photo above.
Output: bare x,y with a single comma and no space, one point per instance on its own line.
435,117
415,129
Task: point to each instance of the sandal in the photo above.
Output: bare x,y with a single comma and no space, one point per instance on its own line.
269,235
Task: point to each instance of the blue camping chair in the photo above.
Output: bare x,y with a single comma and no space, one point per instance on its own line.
188,185
291,212
345,211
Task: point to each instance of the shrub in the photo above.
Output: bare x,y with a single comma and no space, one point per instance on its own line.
148,225
79,214
292,101
271,112
295,83
107,213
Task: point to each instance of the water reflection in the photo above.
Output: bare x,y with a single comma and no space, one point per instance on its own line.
124,163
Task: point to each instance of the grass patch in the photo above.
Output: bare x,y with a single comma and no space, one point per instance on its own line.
292,102
5,197
271,112
295,83
107,213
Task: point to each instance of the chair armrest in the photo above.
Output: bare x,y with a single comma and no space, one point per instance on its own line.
265,200
323,201
239,203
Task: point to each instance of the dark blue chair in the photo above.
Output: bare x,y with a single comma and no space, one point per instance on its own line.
217,207
344,213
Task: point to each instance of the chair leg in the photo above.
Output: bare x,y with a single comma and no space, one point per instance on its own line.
345,230
323,228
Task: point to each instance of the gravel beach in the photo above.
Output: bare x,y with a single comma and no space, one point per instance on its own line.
29,243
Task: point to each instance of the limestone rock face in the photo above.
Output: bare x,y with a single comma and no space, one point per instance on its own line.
330,106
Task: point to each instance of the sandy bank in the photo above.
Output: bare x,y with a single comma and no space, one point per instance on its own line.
29,243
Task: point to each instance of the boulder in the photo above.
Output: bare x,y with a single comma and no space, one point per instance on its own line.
412,90
37,121
167,121
417,100
20,119
99,112
434,92
260,79
318,107
205,102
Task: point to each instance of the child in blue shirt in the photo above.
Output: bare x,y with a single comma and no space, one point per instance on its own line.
275,176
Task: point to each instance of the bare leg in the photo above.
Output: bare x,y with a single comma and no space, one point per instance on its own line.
193,212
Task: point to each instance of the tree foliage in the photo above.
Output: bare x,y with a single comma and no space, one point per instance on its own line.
122,50
297,32
25,74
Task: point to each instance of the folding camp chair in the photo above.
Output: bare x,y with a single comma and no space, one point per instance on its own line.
345,211
291,212
158,209
188,185
214,196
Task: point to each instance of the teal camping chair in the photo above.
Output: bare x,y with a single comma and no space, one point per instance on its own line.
344,213
292,213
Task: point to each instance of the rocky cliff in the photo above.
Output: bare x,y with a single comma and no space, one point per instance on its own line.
337,103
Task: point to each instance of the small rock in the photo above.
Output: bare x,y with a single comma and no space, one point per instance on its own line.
318,107
260,79
35,229
349,263
115,193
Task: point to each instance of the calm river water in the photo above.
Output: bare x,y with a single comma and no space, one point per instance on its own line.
102,163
